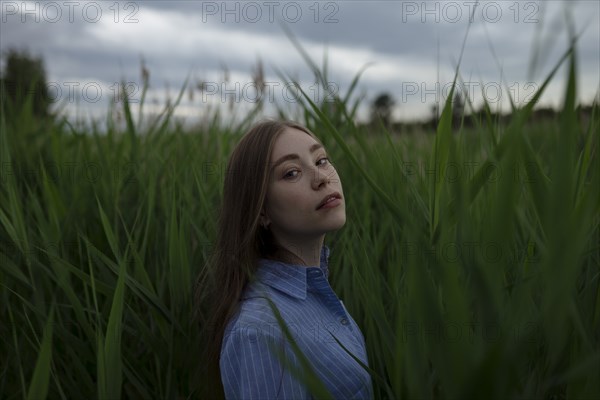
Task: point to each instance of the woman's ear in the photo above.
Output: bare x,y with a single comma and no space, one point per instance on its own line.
264,220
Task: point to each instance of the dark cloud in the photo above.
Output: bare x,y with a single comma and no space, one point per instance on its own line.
408,43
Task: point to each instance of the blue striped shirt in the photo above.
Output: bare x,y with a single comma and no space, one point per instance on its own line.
250,369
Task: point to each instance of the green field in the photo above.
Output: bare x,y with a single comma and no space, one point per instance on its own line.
470,257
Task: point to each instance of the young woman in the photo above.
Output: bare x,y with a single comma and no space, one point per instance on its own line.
281,196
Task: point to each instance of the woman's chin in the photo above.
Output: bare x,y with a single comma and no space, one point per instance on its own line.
336,222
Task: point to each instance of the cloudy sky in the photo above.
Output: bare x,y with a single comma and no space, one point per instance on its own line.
411,48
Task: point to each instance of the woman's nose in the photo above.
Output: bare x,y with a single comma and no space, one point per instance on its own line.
320,176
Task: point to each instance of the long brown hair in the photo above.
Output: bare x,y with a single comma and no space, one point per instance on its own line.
240,242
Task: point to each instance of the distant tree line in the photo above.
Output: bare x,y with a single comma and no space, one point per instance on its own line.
383,104
23,78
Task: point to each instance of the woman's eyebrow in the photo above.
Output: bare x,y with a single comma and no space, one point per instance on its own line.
295,156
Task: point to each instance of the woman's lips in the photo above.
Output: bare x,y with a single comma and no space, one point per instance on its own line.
328,198
331,204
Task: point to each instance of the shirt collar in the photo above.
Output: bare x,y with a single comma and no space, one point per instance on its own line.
290,278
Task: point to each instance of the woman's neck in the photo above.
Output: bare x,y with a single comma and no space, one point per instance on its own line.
306,252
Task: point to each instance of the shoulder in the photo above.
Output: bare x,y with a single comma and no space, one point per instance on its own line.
257,303
253,330
253,317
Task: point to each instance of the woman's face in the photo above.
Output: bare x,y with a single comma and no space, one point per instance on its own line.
298,185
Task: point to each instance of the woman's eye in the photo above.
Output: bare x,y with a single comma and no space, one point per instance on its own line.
324,158
288,174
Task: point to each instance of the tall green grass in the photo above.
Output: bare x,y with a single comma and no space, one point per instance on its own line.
481,283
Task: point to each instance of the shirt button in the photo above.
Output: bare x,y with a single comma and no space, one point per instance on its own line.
344,321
